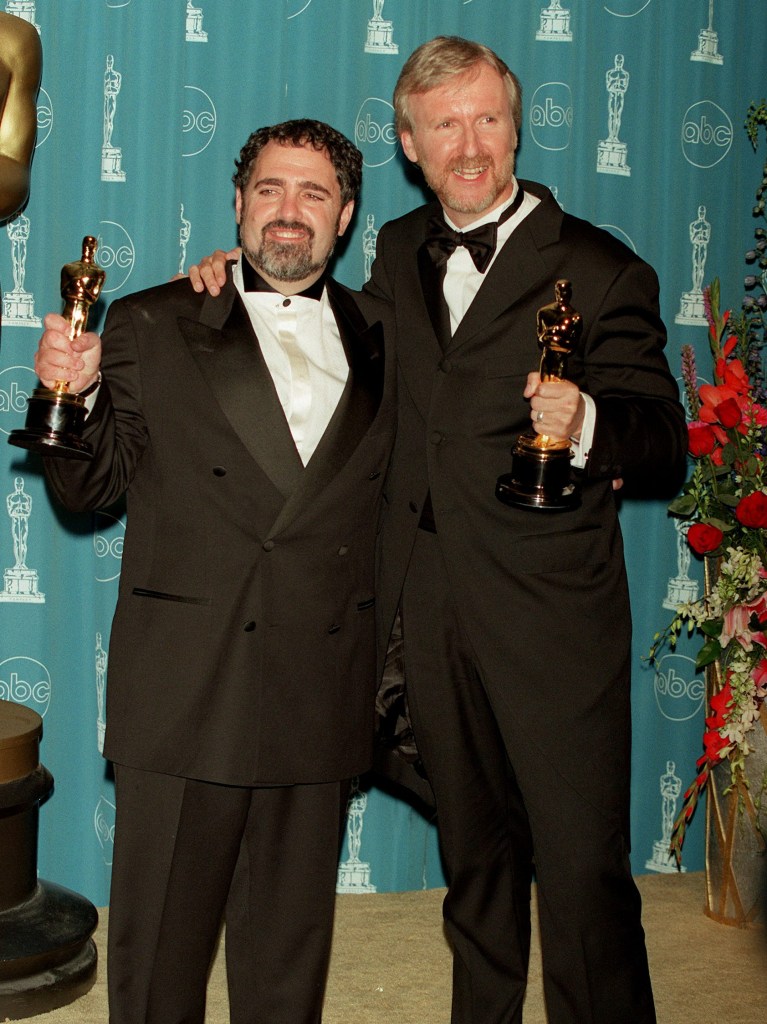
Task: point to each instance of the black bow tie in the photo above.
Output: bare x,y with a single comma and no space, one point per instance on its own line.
442,240
253,282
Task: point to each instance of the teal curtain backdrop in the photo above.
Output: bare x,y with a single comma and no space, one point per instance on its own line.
634,115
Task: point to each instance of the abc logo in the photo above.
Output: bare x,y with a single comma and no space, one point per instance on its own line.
296,7
104,827
551,116
706,134
44,117
116,254
108,542
16,385
374,132
626,8
26,681
678,692
198,122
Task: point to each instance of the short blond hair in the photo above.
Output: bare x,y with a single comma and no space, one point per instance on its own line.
432,63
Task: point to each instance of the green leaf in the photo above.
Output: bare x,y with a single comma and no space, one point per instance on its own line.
712,627
683,506
721,524
708,654
730,500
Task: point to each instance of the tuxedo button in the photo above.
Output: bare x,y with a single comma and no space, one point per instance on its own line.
343,550
268,545
249,626
446,366
435,437
413,507
219,471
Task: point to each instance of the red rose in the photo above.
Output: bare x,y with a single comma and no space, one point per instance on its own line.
752,510
701,439
728,412
704,538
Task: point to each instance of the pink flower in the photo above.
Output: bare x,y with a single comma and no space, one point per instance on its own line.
735,625
759,675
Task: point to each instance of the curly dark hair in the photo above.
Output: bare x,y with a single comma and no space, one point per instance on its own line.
344,155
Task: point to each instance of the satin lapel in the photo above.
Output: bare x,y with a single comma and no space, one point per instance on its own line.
520,266
421,314
230,359
356,409
432,279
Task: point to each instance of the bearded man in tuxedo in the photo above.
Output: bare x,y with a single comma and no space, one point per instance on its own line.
250,433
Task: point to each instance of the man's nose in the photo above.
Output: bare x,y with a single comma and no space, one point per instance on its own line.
289,207
471,144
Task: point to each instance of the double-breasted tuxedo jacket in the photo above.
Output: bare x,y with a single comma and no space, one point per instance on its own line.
542,597
242,649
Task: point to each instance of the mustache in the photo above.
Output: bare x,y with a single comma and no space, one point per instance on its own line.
288,225
473,163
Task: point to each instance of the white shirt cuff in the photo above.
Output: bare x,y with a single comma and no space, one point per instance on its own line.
582,446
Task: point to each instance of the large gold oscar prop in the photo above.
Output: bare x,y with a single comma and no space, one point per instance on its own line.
55,416
540,476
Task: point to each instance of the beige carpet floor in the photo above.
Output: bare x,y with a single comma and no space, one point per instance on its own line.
391,964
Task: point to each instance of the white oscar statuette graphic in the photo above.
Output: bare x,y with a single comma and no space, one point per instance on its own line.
111,156
708,42
183,240
19,304
369,236
25,9
681,589
692,310
380,32
194,30
20,582
354,874
101,679
670,787
612,153
555,24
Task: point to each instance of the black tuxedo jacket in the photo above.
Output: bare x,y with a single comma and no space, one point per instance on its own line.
242,649
542,596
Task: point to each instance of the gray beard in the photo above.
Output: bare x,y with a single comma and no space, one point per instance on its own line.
287,261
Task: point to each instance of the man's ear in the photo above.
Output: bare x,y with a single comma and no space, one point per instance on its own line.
237,204
408,146
345,217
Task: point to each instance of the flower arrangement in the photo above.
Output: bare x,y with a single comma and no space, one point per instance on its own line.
725,505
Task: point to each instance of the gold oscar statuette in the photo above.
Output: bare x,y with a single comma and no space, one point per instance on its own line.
540,476
55,416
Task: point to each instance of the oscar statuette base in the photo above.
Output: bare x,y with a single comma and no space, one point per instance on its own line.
53,426
540,478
